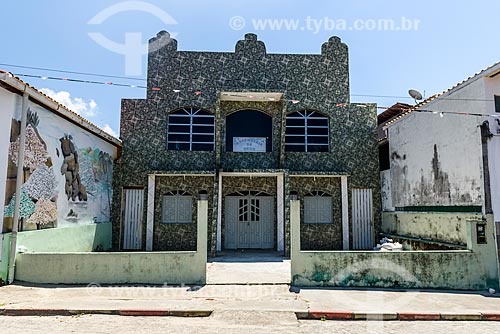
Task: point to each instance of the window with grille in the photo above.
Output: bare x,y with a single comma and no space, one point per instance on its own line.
307,131
177,208
318,208
191,129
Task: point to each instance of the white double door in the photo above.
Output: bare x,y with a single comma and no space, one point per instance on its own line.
249,222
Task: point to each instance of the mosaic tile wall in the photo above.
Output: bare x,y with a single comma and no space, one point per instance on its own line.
181,237
319,236
318,81
239,160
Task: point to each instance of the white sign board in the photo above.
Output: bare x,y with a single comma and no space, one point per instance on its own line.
249,144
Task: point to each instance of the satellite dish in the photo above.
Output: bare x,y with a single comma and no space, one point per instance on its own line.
415,94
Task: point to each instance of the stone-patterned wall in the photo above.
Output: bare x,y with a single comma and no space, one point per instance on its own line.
231,184
317,81
180,237
239,160
320,236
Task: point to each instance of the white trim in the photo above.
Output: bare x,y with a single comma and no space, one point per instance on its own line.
182,174
280,214
345,213
325,175
219,215
253,174
150,213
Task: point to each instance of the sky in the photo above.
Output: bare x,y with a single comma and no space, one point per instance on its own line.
428,46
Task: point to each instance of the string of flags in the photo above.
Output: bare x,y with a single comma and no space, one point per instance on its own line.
76,80
199,92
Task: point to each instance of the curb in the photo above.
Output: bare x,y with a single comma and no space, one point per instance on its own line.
19,312
403,316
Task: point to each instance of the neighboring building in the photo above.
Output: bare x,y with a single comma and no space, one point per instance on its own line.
441,159
248,129
67,168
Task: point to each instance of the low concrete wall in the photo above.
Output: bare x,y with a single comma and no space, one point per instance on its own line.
81,238
473,269
439,226
119,267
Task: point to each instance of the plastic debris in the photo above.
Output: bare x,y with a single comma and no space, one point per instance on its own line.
387,245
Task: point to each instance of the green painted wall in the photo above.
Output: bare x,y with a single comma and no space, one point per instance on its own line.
187,267
473,269
4,259
81,238
439,226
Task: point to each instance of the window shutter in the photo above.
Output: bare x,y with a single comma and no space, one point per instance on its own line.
169,209
318,210
184,209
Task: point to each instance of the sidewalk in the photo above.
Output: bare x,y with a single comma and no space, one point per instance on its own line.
356,304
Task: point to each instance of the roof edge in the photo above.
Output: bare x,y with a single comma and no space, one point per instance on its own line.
56,107
489,71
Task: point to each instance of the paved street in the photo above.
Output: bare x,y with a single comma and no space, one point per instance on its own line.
232,322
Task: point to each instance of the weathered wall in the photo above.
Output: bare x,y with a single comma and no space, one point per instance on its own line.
112,268
436,160
446,227
494,166
82,238
386,190
474,269
67,170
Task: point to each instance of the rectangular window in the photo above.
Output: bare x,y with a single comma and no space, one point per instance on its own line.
318,210
497,103
190,129
177,209
307,131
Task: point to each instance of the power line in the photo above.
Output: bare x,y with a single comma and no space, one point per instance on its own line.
142,79
73,72
80,80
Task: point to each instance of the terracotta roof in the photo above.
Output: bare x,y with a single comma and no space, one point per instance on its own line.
391,112
56,107
490,71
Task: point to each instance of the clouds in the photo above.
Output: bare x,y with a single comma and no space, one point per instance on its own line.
109,130
76,104
85,108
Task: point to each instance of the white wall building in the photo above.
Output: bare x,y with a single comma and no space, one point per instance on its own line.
435,150
68,161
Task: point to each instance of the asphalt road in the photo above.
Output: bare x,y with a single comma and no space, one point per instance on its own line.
229,322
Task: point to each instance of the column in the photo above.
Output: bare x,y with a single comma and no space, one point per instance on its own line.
280,215
345,213
150,213
219,215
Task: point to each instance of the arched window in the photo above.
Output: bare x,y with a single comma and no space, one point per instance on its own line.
307,131
177,208
249,131
191,129
318,208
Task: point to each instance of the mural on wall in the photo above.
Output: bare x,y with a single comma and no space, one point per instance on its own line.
79,193
74,188
39,190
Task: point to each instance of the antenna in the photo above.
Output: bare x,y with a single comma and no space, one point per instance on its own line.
415,94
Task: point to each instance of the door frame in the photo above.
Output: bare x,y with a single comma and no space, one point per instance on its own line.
263,220
280,205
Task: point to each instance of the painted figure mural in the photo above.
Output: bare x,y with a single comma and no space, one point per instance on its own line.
80,192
